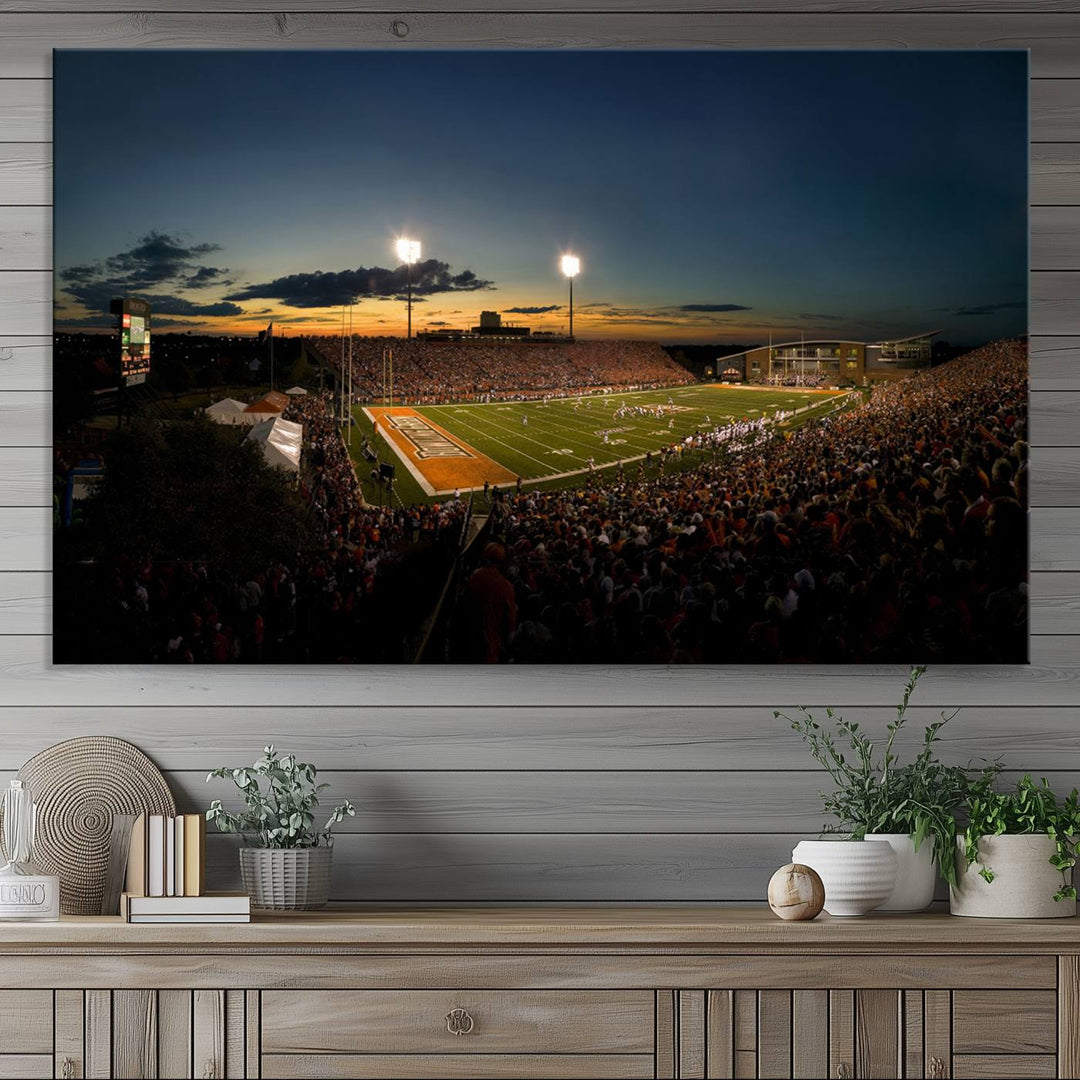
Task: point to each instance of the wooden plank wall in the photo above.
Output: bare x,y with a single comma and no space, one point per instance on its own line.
536,785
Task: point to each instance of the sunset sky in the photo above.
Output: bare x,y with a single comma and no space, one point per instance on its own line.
711,196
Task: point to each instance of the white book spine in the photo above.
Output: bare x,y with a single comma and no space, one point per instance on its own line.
155,854
190,919
189,905
179,856
170,856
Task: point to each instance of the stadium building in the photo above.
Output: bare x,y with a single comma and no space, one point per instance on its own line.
492,328
829,361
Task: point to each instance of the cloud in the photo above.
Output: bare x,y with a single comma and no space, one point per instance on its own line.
712,307
434,322
157,259
826,318
332,288
990,309
207,275
532,310
165,304
596,304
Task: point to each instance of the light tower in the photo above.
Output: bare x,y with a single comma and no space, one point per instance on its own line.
571,265
409,252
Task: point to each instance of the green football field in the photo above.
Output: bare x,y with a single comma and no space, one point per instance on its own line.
552,449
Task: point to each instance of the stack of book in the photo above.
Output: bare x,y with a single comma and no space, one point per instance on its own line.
166,875
207,908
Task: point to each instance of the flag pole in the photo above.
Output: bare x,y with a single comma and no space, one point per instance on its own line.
341,380
348,411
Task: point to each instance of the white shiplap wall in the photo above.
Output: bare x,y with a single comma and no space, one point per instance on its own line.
583,784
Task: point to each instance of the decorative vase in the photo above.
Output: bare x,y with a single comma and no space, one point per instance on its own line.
1024,881
287,879
858,875
916,872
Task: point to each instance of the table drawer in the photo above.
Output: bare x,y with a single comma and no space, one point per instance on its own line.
458,1021
458,1066
1004,1022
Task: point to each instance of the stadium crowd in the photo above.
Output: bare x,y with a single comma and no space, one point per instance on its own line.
895,531
356,593
801,378
438,372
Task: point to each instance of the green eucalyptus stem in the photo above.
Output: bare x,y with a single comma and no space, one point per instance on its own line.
873,792
280,795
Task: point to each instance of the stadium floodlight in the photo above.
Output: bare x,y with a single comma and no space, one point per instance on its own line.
408,252
571,265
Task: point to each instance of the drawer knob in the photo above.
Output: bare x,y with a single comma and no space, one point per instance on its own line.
67,1069
459,1022
937,1069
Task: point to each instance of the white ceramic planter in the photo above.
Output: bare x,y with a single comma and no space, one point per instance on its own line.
1024,881
916,872
858,875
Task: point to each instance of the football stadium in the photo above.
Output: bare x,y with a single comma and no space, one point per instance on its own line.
610,392
443,499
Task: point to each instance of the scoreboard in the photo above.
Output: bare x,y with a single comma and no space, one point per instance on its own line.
134,317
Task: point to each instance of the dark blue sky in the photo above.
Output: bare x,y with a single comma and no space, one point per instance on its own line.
710,195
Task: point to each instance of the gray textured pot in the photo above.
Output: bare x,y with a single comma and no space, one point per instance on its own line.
287,879
1024,881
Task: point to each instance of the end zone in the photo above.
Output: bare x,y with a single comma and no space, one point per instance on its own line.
438,461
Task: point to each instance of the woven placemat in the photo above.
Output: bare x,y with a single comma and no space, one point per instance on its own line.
78,785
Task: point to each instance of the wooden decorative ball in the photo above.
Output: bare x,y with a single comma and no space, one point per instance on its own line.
796,893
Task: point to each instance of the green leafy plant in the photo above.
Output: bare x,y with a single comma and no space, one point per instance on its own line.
1027,809
280,796
874,792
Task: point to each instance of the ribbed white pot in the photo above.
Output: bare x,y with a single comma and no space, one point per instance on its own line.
916,872
858,875
1024,881
287,879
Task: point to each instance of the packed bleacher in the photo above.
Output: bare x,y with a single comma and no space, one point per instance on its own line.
357,592
808,379
892,532
437,372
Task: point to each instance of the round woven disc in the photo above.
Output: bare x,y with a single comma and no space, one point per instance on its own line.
78,785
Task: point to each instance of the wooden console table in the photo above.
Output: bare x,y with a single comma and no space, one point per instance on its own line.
671,992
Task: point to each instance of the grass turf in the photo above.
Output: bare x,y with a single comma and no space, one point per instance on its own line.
560,436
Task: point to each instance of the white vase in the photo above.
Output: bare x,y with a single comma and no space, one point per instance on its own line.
916,872
1024,881
858,875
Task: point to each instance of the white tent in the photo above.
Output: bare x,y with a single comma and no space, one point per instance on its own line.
280,441
229,411
296,391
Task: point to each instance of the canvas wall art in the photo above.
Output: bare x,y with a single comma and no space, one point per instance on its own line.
545,357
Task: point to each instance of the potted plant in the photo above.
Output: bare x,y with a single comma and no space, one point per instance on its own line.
911,807
285,859
1016,853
